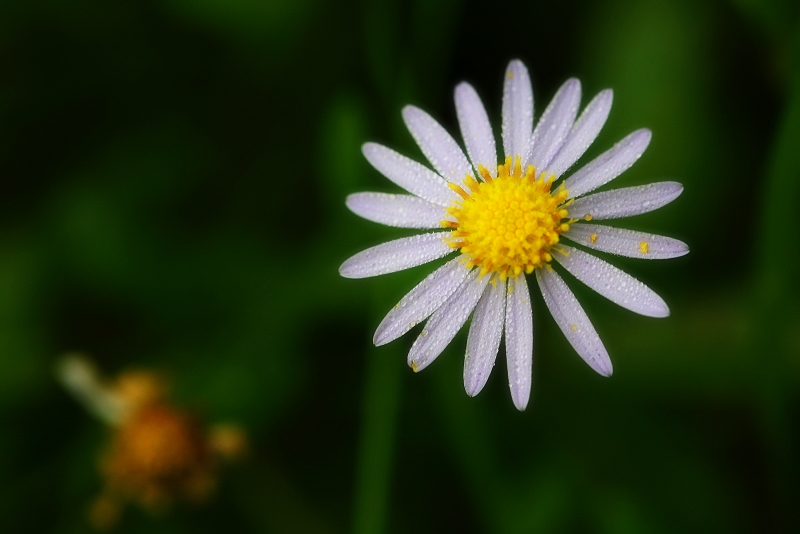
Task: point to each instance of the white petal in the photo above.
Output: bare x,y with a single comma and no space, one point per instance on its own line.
420,302
573,321
445,323
484,337
551,130
519,341
583,133
612,283
396,255
408,174
475,128
403,211
626,242
609,164
83,380
625,202
438,146
517,111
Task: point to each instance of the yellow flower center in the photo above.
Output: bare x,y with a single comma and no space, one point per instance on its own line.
507,225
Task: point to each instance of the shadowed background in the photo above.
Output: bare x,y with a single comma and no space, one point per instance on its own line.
172,185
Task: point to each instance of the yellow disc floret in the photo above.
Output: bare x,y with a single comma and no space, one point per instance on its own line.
507,225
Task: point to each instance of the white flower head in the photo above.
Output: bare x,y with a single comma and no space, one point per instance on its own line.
507,221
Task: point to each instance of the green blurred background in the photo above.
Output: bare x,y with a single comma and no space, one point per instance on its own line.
172,184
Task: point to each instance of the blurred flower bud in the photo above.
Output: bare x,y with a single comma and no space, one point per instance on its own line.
157,453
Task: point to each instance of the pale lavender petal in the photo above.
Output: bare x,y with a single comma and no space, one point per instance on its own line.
438,146
609,164
626,242
396,255
572,320
427,297
625,202
408,174
552,129
517,111
403,211
445,323
612,283
475,128
484,337
519,341
583,133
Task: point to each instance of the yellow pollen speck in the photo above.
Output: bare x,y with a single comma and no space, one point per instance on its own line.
644,247
510,74
508,224
587,217
414,366
574,328
593,237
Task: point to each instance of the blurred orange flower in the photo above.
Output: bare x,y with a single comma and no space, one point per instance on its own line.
157,453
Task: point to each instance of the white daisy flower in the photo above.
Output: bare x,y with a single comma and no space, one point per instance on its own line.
505,222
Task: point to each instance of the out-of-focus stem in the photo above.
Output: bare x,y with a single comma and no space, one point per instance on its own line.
776,307
376,444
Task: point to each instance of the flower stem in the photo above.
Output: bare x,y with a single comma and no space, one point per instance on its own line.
376,443
776,305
